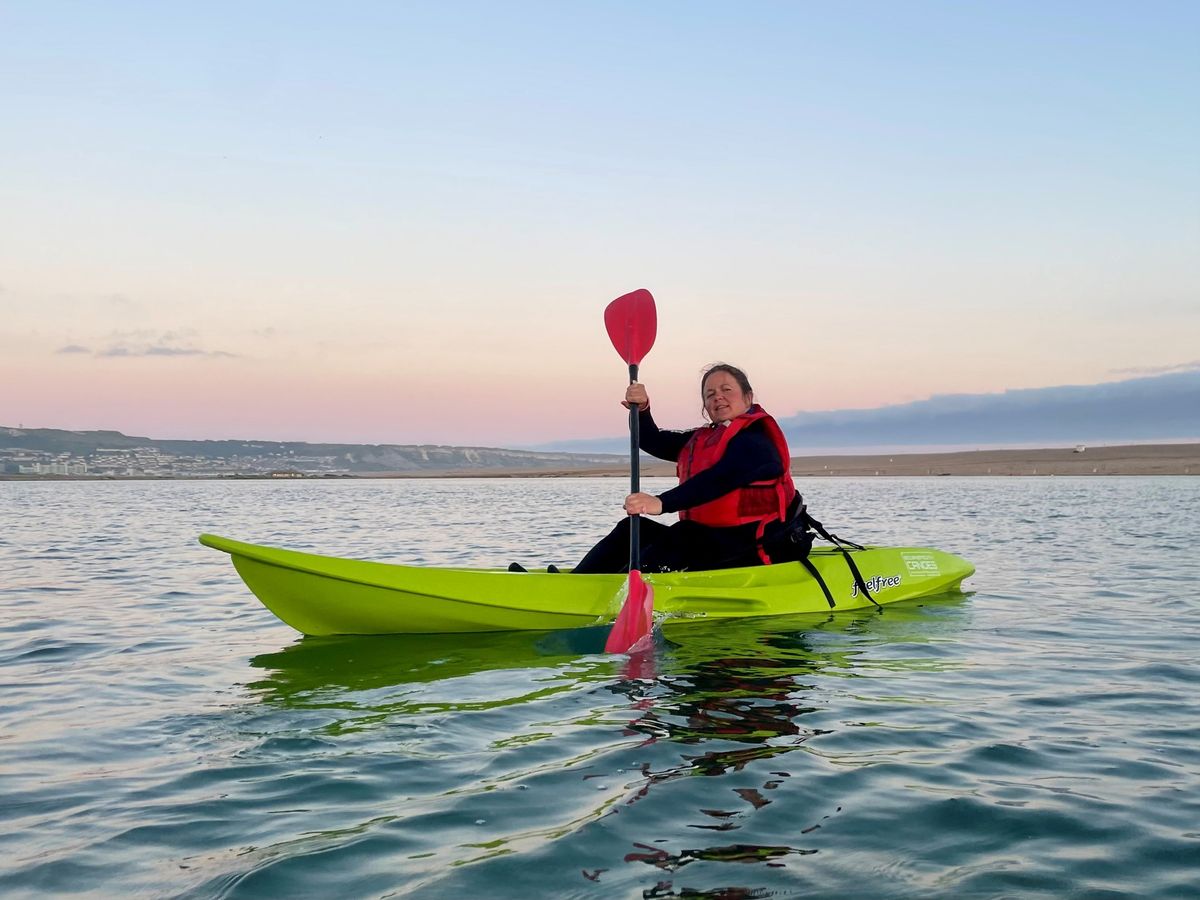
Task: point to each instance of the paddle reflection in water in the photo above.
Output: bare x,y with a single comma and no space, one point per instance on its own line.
750,683
744,696
489,749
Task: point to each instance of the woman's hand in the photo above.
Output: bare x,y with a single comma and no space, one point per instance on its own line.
643,505
635,395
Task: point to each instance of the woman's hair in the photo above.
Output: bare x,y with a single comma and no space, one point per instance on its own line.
738,375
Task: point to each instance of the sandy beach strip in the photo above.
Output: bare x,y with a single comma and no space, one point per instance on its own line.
1135,459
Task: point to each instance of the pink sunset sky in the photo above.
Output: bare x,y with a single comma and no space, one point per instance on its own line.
403,226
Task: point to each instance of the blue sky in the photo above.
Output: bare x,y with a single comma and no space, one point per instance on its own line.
401,222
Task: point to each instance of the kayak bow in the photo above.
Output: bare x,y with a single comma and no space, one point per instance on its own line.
321,595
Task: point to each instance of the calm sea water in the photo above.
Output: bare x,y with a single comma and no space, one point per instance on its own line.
161,734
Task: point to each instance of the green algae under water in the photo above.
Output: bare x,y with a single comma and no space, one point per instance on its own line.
161,734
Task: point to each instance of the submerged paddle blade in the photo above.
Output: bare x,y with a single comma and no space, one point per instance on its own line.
636,618
632,324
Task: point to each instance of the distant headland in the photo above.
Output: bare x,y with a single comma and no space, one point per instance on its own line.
34,452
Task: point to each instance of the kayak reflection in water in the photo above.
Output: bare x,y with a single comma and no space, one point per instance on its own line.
735,487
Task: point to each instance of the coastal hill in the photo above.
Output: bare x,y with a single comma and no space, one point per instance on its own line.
56,452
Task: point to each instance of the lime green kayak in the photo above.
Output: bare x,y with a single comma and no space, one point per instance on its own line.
322,595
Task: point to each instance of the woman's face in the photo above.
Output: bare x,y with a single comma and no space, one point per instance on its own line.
723,397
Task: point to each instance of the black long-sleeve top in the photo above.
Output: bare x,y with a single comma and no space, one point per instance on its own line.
751,456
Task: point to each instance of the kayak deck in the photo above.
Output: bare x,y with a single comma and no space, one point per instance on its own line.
322,595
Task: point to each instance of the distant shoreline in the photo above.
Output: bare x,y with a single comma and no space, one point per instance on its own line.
1131,459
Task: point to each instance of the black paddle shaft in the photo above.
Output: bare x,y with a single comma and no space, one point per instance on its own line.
635,536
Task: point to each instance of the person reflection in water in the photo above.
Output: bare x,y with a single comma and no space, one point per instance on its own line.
735,487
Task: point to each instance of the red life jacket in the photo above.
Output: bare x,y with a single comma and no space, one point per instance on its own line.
760,501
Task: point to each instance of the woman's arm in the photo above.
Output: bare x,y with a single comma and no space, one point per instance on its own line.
751,456
661,444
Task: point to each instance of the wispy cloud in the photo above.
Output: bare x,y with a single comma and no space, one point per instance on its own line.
162,350
142,343
1158,370
122,351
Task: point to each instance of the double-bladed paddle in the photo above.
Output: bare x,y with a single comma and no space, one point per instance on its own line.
632,324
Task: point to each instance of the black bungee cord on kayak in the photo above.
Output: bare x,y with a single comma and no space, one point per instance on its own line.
793,543
797,532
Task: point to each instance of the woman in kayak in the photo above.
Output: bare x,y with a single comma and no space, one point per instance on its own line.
734,485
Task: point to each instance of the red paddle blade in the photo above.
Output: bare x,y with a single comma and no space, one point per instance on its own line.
632,324
636,618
